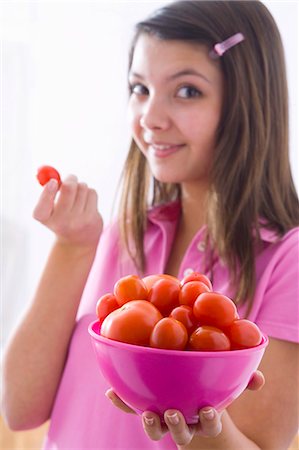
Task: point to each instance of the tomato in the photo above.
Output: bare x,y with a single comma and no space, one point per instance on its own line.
130,288
150,280
244,334
208,338
105,305
46,173
164,294
169,334
131,323
185,315
196,276
214,309
190,291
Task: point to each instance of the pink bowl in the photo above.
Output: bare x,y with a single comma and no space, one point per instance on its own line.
150,379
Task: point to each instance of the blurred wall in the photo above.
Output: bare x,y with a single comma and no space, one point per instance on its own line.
63,97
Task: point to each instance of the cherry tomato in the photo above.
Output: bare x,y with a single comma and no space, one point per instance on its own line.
131,323
151,279
185,315
208,338
190,291
196,276
130,288
244,334
214,309
164,294
46,173
105,305
169,334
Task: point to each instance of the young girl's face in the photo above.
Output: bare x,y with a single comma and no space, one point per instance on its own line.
174,107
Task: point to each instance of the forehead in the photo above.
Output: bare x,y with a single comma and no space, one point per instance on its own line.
153,56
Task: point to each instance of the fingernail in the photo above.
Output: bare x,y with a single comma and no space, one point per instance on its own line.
148,420
52,185
173,418
109,395
208,414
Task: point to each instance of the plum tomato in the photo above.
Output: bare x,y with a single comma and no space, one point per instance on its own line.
151,279
206,338
170,334
185,315
243,333
129,288
105,305
164,294
46,173
132,323
214,309
197,276
190,291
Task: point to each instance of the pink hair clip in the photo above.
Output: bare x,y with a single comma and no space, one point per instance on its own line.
220,48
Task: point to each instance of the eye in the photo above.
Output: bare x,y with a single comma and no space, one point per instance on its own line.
189,92
138,89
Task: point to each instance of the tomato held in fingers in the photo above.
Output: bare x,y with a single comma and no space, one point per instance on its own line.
105,305
244,334
190,291
184,314
197,276
164,294
208,338
212,308
131,323
130,288
169,334
46,173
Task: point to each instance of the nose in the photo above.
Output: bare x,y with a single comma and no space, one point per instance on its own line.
155,115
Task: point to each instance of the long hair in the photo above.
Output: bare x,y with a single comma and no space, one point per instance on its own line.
251,175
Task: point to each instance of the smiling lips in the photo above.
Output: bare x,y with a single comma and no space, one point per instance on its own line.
164,150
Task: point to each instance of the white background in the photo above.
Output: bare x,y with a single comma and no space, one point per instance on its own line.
63,102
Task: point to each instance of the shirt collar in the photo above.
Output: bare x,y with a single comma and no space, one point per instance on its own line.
169,212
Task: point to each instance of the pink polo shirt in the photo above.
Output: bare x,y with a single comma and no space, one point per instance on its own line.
82,417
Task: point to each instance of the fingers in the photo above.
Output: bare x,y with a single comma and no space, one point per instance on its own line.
152,426
257,381
110,394
210,422
179,430
68,194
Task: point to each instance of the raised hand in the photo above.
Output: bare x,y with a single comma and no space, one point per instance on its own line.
71,213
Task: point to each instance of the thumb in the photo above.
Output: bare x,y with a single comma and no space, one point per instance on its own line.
44,208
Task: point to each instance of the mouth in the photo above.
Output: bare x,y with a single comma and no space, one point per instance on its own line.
164,150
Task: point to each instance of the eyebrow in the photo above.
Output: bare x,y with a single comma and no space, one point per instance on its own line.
177,75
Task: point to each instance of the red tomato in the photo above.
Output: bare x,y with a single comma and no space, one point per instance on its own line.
214,309
150,280
169,334
185,315
164,294
131,323
190,291
130,288
105,305
207,338
196,276
46,173
244,334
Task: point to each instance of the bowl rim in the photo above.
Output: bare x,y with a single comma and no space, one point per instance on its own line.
160,351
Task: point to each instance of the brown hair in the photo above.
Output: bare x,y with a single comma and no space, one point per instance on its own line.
251,172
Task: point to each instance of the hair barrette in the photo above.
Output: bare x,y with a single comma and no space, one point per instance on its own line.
221,47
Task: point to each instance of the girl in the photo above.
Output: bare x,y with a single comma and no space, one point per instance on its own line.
207,187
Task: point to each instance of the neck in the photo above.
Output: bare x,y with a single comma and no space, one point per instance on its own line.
194,207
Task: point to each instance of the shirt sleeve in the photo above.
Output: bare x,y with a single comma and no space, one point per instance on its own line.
278,315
